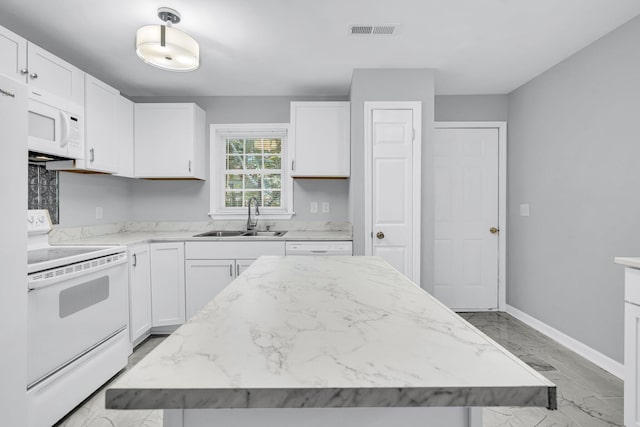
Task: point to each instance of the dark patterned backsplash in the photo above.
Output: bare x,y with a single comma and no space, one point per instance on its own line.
43,190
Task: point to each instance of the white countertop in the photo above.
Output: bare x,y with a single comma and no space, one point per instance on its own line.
327,332
137,237
628,261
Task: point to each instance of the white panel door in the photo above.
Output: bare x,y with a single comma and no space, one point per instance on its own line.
164,140
631,368
205,279
167,284
466,210
242,265
139,291
53,79
13,51
124,137
101,106
392,188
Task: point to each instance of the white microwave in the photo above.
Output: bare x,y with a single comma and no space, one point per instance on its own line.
56,132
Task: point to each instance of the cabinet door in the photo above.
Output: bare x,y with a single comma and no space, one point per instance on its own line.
124,137
164,135
13,51
631,365
320,139
51,79
101,104
205,278
139,292
242,265
167,284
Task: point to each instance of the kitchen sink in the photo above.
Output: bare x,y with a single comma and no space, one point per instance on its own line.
264,233
220,233
231,233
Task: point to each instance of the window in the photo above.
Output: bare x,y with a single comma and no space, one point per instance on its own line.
249,161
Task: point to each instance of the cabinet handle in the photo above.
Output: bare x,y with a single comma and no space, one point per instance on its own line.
33,76
135,260
293,165
189,165
24,71
91,155
231,270
237,270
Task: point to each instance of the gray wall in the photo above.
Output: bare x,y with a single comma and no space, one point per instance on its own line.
472,108
80,194
574,156
146,200
393,85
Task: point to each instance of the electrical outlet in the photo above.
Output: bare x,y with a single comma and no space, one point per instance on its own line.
524,209
98,212
313,208
325,207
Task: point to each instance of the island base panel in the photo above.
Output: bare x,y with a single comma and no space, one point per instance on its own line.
323,417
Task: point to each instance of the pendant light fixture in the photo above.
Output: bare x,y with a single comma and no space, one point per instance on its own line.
166,47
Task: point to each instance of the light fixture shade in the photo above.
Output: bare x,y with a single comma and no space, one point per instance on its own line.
179,52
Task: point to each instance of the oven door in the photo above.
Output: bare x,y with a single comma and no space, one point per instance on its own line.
69,317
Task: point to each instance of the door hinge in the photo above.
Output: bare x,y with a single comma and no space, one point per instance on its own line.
293,165
413,134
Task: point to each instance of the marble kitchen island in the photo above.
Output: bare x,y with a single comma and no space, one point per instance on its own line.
340,341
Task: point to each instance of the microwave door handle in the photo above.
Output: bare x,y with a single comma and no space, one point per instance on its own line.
66,128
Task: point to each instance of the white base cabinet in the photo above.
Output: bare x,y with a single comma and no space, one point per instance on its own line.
139,293
205,278
631,348
167,284
211,266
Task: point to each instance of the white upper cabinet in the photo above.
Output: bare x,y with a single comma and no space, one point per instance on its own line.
169,141
13,51
124,137
320,139
101,106
50,79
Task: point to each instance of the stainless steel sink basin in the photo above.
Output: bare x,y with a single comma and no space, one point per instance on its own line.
229,233
264,233
220,233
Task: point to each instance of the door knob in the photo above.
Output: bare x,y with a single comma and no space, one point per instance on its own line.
33,75
494,230
380,235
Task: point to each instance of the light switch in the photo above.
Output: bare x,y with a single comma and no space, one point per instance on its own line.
98,212
325,207
524,209
313,207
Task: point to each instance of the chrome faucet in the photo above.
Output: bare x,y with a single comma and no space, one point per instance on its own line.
250,224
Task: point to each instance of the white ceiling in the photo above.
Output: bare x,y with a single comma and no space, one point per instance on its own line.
302,47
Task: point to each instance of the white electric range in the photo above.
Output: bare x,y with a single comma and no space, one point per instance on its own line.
77,315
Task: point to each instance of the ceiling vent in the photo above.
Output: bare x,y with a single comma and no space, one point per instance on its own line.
373,30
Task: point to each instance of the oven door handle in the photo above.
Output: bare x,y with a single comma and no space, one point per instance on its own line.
33,285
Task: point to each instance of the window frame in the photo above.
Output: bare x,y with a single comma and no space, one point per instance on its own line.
217,169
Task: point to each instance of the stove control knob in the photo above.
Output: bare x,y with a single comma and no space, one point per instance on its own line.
30,219
41,219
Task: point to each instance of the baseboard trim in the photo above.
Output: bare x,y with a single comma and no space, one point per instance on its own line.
594,356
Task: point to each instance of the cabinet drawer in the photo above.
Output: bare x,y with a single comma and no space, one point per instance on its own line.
632,285
232,250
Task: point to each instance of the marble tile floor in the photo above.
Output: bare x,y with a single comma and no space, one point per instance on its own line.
587,395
